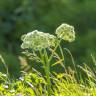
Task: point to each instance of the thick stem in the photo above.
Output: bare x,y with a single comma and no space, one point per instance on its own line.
46,66
47,72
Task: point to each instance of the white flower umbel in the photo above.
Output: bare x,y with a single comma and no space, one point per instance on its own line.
66,32
37,40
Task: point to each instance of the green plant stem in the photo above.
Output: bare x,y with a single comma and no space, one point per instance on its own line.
50,58
47,71
46,65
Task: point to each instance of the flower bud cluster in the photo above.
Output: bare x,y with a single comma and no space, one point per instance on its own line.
66,32
37,40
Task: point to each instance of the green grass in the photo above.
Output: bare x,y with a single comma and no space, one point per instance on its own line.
34,84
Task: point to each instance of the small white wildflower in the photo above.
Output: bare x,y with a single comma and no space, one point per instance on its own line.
21,78
66,32
12,91
37,40
5,86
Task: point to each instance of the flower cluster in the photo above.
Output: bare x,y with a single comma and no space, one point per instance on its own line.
37,40
66,32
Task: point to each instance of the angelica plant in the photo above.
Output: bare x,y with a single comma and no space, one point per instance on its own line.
41,44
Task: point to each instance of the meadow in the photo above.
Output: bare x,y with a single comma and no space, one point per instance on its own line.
47,50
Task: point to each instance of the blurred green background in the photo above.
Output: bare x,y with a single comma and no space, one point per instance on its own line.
18,17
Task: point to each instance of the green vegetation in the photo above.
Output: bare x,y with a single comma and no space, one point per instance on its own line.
34,84
51,63
17,17
47,50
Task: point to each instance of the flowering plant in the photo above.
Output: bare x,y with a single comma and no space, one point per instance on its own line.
39,42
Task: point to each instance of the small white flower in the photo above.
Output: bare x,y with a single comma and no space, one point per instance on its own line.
66,32
12,91
5,86
21,78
